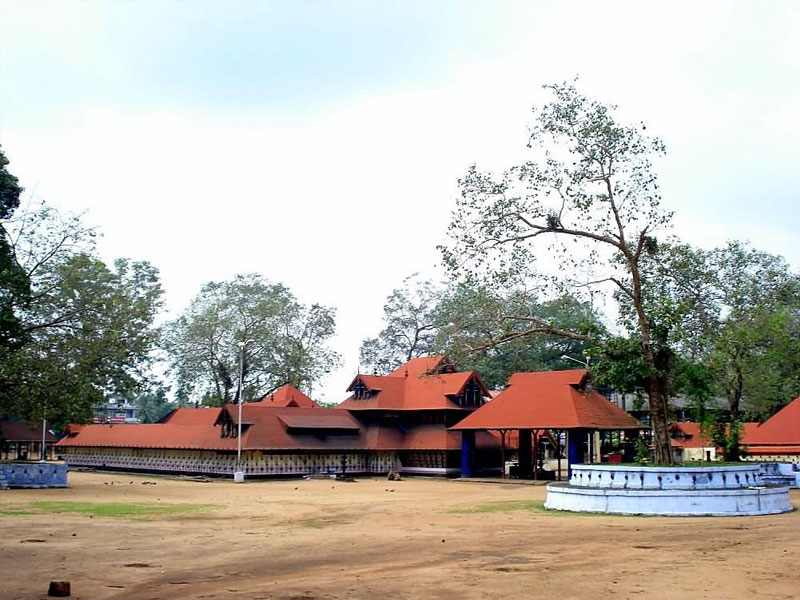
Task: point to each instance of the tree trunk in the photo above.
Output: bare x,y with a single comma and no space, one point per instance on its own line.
658,416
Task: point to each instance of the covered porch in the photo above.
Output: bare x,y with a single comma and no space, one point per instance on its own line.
553,409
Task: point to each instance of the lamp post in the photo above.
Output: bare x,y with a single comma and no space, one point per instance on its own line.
575,360
44,431
238,475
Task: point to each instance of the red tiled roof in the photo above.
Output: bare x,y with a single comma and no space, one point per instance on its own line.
288,395
420,390
25,431
783,428
151,435
270,428
549,400
417,367
193,416
266,430
321,420
686,434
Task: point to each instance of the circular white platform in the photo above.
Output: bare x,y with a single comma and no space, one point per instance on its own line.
676,491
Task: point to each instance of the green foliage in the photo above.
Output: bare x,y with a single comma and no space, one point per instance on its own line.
14,283
152,405
410,326
642,451
491,332
739,314
284,341
121,509
478,329
88,327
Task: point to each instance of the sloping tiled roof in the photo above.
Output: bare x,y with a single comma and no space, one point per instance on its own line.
25,431
417,367
686,434
782,429
549,400
322,420
151,435
288,395
421,389
192,416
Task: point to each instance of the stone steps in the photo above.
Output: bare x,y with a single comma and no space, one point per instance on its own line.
787,480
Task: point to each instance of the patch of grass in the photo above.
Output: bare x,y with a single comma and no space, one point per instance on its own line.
503,506
13,512
535,506
119,509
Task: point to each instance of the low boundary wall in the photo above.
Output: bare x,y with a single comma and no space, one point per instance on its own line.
33,475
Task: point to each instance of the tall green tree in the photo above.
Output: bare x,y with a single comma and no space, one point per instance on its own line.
580,214
740,317
91,336
88,327
252,323
410,326
14,283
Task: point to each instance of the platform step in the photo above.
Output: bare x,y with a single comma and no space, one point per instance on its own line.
787,480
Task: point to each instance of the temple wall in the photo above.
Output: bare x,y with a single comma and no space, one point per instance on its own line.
208,462
779,458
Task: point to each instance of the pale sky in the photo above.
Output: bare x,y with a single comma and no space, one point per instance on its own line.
319,143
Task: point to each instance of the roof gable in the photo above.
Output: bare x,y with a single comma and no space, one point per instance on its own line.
288,396
416,385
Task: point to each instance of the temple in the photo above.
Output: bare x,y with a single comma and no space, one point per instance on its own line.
394,422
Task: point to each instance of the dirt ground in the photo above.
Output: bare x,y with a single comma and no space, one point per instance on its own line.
322,539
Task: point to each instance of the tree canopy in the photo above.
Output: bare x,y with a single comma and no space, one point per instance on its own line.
282,341
469,324
88,328
14,283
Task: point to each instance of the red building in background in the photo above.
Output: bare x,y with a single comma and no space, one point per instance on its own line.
394,422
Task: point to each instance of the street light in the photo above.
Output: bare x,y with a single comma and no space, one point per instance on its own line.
238,476
580,362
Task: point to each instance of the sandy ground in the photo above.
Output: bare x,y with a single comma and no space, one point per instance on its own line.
322,539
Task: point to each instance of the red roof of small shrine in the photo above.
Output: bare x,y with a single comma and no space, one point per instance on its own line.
416,385
782,429
288,395
549,400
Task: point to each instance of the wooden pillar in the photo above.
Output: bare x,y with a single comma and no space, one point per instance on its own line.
535,453
525,454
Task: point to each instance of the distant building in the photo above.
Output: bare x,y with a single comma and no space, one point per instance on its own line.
115,411
22,440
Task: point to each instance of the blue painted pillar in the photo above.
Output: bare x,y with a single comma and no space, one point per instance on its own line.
467,452
575,438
